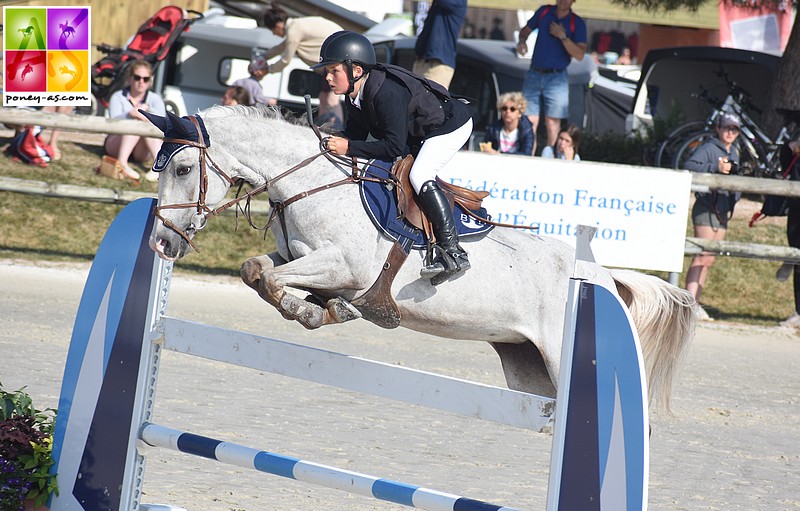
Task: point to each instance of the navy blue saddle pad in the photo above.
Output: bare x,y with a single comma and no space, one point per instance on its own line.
381,206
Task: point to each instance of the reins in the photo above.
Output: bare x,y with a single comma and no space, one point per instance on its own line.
203,212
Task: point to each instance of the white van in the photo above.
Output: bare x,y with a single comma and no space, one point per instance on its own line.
213,54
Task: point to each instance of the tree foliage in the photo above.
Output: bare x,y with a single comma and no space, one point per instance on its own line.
661,5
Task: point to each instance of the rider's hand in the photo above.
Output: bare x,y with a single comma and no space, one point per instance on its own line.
338,145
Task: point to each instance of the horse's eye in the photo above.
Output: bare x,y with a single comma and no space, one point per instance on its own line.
182,171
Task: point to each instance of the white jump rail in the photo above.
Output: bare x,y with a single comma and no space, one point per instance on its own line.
497,404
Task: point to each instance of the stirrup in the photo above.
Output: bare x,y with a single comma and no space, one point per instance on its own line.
447,264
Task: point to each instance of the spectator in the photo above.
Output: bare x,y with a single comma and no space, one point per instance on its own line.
789,156
304,37
125,104
625,58
497,30
712,210
512,132
252,84
235,95
54,134
436,44
566,147
562,36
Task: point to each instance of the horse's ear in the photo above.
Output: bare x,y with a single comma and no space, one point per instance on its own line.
180,126
161,123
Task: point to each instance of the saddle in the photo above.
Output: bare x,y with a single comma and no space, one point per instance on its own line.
377,304
408,208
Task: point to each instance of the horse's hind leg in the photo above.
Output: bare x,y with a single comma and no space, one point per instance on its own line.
255,272
524,368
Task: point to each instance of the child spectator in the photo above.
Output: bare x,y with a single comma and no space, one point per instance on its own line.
566,147
235,95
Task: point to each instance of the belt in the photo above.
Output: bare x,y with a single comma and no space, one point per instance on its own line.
546,71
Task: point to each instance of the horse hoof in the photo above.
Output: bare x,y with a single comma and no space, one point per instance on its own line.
342,310
250,273
307,314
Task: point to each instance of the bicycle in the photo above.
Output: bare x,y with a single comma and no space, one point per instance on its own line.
737,99
665,154
759,156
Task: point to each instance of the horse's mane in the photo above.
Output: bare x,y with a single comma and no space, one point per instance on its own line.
259,111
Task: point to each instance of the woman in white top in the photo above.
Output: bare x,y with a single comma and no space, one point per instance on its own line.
567,143
125,104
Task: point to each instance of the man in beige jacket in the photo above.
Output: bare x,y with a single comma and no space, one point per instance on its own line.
303,37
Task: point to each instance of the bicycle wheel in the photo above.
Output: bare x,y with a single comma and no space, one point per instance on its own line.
665,154
688,147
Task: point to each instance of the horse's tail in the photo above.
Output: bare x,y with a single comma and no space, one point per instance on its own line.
665,319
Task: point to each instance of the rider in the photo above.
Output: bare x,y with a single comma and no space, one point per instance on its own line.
405,114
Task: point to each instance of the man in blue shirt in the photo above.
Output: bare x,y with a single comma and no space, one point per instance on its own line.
561,37
436,44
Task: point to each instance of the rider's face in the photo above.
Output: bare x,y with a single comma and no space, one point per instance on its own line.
336,76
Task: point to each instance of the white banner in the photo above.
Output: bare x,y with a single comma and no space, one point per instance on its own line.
640,212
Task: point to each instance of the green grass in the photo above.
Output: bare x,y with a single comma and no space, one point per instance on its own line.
50,229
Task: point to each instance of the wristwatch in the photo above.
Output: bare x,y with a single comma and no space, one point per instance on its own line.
564,37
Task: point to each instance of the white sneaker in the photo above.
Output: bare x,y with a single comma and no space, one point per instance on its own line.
792,321
702,315
151,176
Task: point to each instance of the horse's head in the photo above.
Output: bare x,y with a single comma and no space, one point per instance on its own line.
189,182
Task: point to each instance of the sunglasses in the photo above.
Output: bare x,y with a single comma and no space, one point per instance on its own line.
144,79
508,108
730,128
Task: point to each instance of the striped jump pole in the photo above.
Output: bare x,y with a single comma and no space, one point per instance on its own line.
310,472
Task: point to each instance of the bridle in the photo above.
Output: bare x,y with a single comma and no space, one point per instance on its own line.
203,212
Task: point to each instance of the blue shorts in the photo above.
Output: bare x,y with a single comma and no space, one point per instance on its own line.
553,88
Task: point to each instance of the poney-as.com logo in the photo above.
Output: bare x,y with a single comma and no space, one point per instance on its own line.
46,56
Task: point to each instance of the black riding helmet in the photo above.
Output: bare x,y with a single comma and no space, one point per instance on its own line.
349,48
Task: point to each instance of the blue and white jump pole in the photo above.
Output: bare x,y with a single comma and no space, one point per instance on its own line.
121,330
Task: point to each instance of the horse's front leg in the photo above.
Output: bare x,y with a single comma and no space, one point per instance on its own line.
269,275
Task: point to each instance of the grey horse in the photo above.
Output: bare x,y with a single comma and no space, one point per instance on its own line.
514,296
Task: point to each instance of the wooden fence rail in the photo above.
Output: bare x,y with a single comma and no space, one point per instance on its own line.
82,123
93,124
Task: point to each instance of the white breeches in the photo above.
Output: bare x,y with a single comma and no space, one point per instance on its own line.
436,154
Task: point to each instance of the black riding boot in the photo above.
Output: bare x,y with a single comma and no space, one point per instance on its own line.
451,258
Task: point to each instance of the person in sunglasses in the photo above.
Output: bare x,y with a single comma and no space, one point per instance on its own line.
125,104
513,131
712,209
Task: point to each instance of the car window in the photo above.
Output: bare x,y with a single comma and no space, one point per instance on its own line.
232,69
